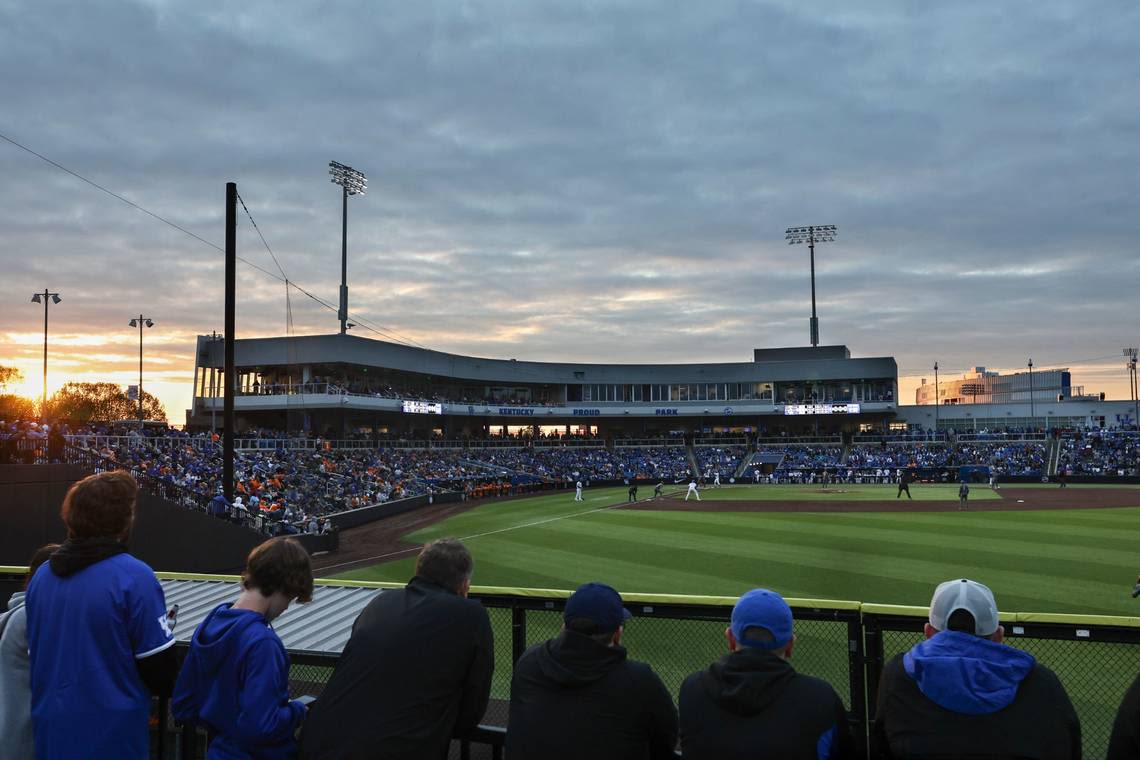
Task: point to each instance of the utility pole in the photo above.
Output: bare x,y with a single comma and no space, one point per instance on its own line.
1134,386
229,374
937,400
141,322
1032,410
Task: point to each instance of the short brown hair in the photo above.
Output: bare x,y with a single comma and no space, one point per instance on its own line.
42,555
445,561
100,506
280,564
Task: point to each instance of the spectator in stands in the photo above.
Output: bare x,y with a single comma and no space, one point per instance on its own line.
577,696
1124,743
416,671
752,703
99,637
15,690
962,693
235,680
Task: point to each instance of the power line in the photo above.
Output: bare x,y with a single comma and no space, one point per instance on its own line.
365,323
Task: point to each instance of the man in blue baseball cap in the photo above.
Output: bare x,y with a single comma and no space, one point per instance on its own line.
577,696
752,703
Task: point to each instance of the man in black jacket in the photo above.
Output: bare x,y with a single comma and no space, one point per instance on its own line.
752,703
415,673
961,693
577,696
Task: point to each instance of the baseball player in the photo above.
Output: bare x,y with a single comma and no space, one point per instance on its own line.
578,491
657,489
716,479
692,491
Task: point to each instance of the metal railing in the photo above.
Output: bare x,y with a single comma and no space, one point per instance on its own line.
844,643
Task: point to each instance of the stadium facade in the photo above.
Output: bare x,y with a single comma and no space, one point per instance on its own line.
342,383
336,384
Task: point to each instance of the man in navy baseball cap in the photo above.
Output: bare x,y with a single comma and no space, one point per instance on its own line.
752,703
596,605
577,695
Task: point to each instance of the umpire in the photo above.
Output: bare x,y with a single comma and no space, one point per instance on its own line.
904,482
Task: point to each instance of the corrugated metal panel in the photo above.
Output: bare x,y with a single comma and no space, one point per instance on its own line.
320,627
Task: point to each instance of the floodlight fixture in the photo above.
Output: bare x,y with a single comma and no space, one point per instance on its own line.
352,182
46,298
812,234
1134,385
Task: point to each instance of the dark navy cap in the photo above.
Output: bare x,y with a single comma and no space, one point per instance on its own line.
598,603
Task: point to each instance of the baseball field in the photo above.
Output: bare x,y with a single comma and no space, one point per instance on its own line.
1040,548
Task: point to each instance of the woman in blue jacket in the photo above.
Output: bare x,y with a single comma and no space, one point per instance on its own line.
235,680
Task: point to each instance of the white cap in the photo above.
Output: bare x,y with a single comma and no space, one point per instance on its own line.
967,595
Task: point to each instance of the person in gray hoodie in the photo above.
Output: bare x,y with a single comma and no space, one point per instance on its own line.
15,687
961,693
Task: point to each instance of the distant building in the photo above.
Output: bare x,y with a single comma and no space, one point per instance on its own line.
980,386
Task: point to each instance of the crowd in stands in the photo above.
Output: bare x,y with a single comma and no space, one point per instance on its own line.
719,460
417,671
1101,452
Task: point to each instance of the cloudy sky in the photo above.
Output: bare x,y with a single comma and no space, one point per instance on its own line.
577,181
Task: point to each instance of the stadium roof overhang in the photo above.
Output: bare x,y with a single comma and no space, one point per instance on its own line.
349,349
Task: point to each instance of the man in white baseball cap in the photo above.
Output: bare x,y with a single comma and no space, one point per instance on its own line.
962,693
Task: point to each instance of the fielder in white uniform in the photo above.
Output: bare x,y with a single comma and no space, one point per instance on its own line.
716,479
578,491
692,491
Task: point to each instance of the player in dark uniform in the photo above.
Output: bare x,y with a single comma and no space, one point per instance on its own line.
633,491
963,496
904,482
657,489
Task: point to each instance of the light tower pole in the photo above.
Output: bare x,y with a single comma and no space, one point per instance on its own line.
1032,408
47,297
937,400
141,322
823,233
1134,386
351,182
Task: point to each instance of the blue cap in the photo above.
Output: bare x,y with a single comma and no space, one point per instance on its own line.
765,609
598,603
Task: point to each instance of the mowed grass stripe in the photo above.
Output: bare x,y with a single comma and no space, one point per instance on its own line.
908,549
1100,546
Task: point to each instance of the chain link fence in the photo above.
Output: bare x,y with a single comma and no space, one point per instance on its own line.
845,646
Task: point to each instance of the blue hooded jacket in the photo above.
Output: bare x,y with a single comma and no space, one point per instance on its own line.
235,681
967,674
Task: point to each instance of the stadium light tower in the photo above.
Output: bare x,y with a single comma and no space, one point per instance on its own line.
937,400
824,233
351,182
1032,410
1130,358
47,297
140,323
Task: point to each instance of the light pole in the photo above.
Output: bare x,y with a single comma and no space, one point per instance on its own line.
141,322
824,233
1134,386
937,400
1032,409
351,182
47,297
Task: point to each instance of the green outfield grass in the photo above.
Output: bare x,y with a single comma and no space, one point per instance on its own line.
840,492
1079,561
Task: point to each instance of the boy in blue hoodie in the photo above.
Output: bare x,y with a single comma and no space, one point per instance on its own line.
235,680
961,693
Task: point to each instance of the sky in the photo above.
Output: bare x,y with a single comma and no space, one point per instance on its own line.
588,181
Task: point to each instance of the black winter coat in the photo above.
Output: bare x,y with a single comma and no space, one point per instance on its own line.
415,673
1040,723
573,698
752,703
1125,741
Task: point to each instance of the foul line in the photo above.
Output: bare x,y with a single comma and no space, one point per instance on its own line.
397,553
